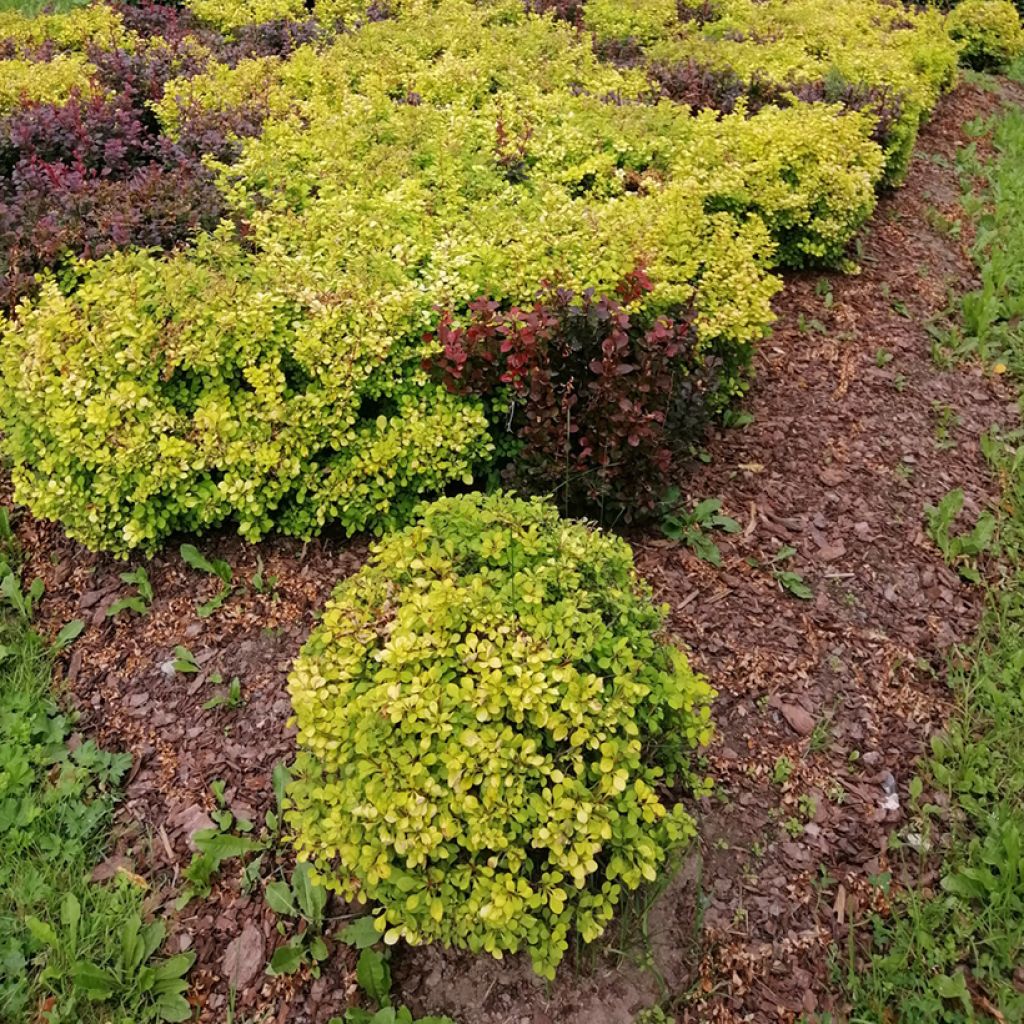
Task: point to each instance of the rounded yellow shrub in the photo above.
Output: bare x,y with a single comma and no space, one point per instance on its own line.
988,31
491,722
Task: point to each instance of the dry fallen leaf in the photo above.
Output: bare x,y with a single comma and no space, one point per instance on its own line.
243,957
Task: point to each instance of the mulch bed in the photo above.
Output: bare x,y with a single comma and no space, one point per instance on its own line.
845,450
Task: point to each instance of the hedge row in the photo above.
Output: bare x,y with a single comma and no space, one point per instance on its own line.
359,182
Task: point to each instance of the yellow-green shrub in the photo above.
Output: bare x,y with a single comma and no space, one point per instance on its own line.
51,81
788,44
989,32
230,15
75,29
488,718
412,166
173,394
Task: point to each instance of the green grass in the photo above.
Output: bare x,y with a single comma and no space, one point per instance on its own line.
71,950
954,953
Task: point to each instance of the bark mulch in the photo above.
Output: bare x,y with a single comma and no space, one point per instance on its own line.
824,703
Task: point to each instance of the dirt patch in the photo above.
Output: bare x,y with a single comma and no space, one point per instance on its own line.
824,703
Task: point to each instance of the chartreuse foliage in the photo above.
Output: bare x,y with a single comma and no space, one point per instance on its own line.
75,30
276,380
229,15
952,953
895,53
270,376
989,32
489,718
25,80
52,81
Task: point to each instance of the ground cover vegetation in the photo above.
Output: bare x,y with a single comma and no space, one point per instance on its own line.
955,952
281,266
71,949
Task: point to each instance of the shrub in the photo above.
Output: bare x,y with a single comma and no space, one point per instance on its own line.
71,31
93,175
870,54
167,395
53,81
272,376
989,32
490,722
601,404
231,16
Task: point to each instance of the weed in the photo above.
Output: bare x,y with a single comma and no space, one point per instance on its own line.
883,357
138,602
794,583
306,901
193,557
230,698
71,950
184,661
946,420
261,582
903,471
227,839
953,953
960,550
692,528
782,771
373,973
821,735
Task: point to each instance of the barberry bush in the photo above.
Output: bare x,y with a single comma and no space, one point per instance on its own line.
492,730
598,404
240,246
884,58
988,31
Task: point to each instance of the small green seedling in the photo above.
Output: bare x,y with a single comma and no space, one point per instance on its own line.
184,661
231,697
23,602
68,634
373,973
261,582
305,900
960,550
226,840
692,528
140,601
782,771
193,557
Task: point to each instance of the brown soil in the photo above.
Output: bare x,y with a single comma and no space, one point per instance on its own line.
845,450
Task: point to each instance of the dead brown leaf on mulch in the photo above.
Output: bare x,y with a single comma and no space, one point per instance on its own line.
845,449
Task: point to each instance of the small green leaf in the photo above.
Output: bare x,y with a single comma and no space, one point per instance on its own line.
311,898
94,982
68,634
41,931
795,584
176,966
173,1008
279,898
361,933
287,959
194,558
374,975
